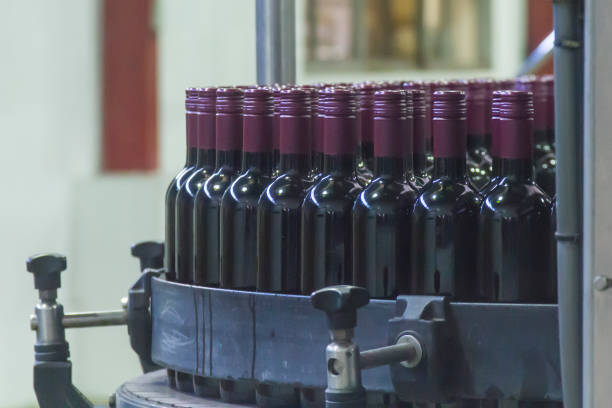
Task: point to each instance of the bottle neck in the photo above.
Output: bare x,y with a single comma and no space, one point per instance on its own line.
260,161
496,166
475,142
419,163
392,167
339,165
453,168
520,170
206,158
192,157
540,137
299,163
317,161
229,159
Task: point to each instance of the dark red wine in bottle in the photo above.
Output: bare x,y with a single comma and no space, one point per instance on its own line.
228,142
326,211
278,219
239,203
546,166
204,167
185,200
515,217
381,213
279,208
191,96
445,215
365,144
239,211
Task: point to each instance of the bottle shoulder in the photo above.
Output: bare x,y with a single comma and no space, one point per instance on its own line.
332,188
511,198
387,195
285,191
195,181
178,181
215,185
247,187
447,196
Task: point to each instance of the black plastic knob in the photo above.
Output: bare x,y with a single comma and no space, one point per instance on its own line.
150,253
46,269
340,303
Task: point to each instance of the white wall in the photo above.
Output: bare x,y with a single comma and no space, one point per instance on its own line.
55,199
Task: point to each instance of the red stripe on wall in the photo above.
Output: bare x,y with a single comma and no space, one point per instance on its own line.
540,25
130,86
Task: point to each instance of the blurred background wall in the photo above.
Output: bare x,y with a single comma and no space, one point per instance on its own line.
57,193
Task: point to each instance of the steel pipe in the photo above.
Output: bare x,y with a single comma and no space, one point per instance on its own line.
88,319
275,36
406,351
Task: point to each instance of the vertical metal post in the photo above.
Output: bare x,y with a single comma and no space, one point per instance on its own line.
568,130
597,264
275,27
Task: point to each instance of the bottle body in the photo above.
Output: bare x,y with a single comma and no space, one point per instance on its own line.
326,232
445,218
382,238
515,229
239,230
184,214
279,232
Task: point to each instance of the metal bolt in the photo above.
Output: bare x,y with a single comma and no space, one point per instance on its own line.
601,283
417,351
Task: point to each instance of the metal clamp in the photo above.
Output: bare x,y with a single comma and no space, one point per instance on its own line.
344,361
52,368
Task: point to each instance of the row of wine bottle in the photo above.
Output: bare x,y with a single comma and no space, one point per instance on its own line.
402,188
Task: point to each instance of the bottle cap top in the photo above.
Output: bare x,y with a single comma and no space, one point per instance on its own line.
448,105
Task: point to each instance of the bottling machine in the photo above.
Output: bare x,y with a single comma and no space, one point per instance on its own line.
421,348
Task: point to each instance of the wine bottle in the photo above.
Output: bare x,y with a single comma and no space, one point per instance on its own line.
205,114
228,142
239,202
191,96
381,213
445,215
239,212
205,139
326,212
205,165
365,144
279,207
278,219
515,216
546,166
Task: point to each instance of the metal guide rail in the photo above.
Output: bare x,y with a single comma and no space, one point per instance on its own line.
469,350
422,348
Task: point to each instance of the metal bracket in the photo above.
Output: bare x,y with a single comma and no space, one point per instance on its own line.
139,318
